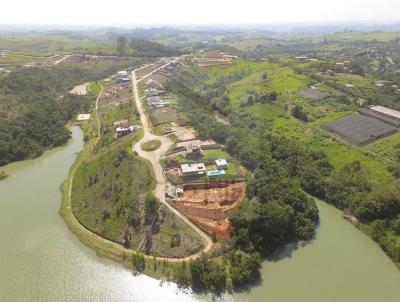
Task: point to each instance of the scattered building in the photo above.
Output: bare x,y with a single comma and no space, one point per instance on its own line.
330,72
221,164
122,76
343,66
122,131
387,113
157,102
193,147
153,84
193,169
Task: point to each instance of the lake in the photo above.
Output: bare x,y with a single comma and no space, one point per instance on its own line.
41,260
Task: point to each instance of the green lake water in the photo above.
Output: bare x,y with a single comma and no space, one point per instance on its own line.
41,260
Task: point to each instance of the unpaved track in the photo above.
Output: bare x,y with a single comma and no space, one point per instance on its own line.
61,60
154,158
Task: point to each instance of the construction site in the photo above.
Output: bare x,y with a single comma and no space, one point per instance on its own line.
208,204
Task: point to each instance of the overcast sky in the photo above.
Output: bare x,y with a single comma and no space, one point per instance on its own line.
131,12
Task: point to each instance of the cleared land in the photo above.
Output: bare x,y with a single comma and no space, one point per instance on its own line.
208,204
163,115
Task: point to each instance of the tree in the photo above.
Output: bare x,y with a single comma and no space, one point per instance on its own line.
299,113
150,204
121,45
244,268
273,96
138,262
250,100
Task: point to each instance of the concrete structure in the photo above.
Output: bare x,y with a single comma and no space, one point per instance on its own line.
193,169
221,164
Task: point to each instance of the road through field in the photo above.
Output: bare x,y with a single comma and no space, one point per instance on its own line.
154,158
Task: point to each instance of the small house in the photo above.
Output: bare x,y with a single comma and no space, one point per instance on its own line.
193,169
122,131
221,164
122,77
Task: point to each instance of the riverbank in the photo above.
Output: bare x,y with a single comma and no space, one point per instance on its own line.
43,259
102,246
158,267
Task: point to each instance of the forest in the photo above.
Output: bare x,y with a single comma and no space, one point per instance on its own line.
278,208
35,105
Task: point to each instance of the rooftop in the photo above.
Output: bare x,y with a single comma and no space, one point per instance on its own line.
221,162
385,110
189,168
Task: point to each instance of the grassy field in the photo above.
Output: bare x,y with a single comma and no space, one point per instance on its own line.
104,188
19,59
388,147
215,154
339,153
94,88
154,267
359,36
266,111
286,82
47,45
151,145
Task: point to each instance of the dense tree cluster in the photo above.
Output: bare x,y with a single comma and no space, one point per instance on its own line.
35,106
277,211
146,48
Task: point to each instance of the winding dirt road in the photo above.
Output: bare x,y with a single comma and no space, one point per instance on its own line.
154,158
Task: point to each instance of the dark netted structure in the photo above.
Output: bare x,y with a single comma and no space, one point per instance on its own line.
360,129
313,94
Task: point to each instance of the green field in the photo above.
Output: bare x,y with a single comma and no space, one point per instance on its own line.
339,153
47,45
215,154
151,145
266,111
388,147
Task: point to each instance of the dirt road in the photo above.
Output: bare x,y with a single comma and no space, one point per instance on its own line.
154,158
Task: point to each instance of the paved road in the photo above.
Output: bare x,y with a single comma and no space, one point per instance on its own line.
154,158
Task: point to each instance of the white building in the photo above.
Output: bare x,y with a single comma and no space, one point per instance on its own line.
121,131
193,169
221,164
122,76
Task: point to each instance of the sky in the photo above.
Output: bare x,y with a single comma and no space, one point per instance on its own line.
158,12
